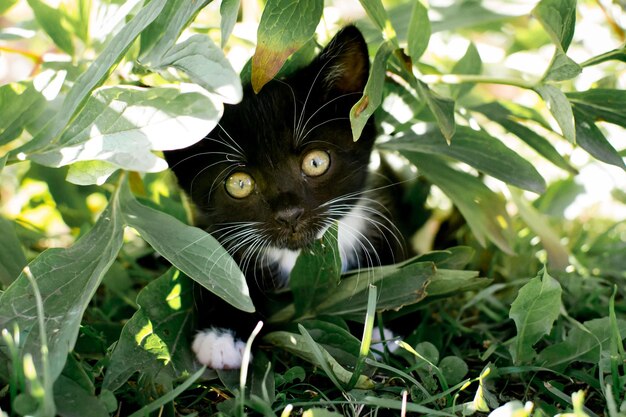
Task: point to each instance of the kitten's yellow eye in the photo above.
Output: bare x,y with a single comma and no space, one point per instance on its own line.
239,185
315,163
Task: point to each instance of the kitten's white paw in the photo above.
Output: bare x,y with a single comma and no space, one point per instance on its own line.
378,345
218,349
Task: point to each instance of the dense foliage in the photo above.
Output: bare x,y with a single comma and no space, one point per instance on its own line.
505,111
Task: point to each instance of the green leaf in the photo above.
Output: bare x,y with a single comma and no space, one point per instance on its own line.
590,138
316,272
373,92
601,104
419,31
482,208
90,172
72,400
192,250
558,17
478,149
560,108
456,257
562,68
155,340
377,13
55,23
163,32
470,63
320,412
67,280
534,311
447,282
441,107
12,258
285,26
558,254
122,125
23,103
97,72
205,64
506,119
453,369
582,344
228,10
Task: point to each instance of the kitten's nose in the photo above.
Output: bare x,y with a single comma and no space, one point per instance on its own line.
289,216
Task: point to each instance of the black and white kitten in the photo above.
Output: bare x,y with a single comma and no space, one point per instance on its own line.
280,168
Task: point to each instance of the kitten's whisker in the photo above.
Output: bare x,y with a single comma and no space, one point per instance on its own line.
204,169
242,152
302,129
239,156
203,154
295,103
306,100
302,139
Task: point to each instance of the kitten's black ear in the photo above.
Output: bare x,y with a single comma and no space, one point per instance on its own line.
343,65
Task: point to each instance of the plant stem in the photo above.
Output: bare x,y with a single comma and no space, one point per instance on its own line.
480,79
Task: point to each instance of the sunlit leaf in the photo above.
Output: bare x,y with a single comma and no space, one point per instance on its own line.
122,125
67,280
558,17
534,311
55,23
228,10
155,340
285,26
373,93
601,104
419,31
562,68
482,208
560,108
192,250
377,13
478,149
6,5
470,63
441,107
94,76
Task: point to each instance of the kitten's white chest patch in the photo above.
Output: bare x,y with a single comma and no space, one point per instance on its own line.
218,349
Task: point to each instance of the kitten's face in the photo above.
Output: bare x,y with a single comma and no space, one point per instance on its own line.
282,165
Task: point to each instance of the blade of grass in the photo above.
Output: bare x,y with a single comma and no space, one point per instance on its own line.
440,377
566,398
320,357
400,374
245,362
397,405
366,340
160,402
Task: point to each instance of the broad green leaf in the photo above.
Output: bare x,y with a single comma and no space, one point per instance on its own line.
155,340
558,17
67,280
482,208
446,282
377,13
560,108
3,162
95,75
561,68
122,125
441,107
90,172
558,254
164,31
534,311
373,92
581,344
456,257
558,197
23,103
470,63
316,272
12,258
478,149
601,104
453,369
337,341
590,138
616,54
228,10
506,119
320,412
82,20
72,400
419,31
192,250
285,26
205,64
55,23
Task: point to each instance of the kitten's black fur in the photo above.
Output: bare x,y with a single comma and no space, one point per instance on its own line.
266,136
